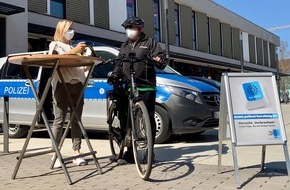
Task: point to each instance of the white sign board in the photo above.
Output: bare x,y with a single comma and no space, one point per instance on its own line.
253,108
250,114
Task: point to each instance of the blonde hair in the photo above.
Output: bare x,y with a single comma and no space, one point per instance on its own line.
61,28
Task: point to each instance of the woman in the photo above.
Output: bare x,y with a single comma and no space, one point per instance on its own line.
74,78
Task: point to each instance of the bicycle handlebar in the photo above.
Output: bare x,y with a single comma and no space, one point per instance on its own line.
92,49
123,58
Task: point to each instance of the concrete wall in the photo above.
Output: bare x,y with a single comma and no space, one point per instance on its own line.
219,12
44,20
246,51
16,28
118,14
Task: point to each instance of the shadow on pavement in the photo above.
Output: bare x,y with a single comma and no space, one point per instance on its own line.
171,153
271,169
76,169
174,163
207,136
27,151
169,171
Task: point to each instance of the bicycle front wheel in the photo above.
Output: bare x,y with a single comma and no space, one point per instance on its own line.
115,132
142,140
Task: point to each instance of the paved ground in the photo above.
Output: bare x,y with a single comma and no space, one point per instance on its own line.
185,162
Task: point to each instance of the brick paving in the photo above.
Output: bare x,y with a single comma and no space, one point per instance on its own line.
35,174
181,164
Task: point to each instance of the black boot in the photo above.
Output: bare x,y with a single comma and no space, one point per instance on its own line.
128,157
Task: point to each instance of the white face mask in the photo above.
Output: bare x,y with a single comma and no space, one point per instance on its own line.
69,34
131,33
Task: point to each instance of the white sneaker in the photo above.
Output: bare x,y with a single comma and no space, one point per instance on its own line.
57,163
79,162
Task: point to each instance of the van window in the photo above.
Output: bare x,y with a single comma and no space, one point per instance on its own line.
12,71
103,70
105,55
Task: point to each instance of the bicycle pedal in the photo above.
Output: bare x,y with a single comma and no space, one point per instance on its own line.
142,144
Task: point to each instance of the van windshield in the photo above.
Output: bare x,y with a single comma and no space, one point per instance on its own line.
167,70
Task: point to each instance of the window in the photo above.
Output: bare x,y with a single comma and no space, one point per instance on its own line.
208,35
176,24
2,37
193,31
57,8
103,70
156,14
131,8
13,71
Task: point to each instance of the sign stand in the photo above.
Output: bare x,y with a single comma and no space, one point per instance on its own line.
250,115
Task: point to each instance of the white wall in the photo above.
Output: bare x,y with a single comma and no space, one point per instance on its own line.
246,49
16,28
118,14
269,57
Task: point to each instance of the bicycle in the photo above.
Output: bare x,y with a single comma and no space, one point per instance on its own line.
141,134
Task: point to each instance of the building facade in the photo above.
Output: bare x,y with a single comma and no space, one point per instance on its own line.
204,38
13,26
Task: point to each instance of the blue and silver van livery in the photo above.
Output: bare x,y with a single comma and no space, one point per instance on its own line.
183,105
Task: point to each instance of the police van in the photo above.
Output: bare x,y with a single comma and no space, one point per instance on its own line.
183,105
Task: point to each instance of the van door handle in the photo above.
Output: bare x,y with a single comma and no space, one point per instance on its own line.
27,83
90,83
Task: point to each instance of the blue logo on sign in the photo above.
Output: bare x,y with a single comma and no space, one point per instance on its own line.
276,133
253,91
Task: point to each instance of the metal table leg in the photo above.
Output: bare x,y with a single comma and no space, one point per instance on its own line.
39,108
76,115
6,124
55,148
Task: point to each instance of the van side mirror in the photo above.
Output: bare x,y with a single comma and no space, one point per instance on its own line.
109,73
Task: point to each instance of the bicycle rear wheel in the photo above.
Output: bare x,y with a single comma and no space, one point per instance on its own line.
142,140
115,132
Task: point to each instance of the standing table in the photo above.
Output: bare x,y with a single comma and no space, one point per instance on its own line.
55,62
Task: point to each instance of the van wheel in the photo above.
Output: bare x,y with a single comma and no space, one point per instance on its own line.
18,131
162,120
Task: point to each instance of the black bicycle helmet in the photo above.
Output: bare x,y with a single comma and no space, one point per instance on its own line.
133,21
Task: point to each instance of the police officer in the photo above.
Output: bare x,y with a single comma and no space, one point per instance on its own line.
142,46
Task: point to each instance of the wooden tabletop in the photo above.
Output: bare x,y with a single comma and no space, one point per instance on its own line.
49,60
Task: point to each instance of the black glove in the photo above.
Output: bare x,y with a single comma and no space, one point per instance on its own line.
112,79
162,64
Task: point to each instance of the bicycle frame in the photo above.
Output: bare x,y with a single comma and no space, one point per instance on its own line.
133,97
140,124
